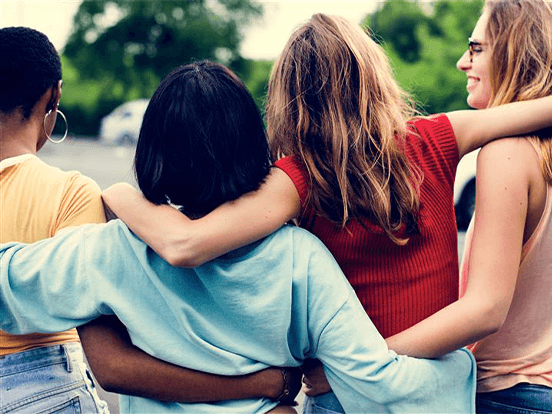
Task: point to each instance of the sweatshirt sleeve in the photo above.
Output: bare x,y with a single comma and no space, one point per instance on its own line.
368,377
44,286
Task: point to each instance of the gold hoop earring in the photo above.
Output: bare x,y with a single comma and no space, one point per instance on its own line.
66,127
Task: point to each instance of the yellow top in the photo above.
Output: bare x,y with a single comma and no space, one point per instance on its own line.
36,201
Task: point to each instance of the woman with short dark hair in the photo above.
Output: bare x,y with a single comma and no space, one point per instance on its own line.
38,371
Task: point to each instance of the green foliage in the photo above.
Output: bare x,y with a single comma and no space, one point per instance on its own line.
123,48
106,63
425,51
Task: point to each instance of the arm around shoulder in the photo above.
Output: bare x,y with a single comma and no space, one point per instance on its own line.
475,128
188,243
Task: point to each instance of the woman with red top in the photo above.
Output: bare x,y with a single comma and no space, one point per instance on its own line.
376,188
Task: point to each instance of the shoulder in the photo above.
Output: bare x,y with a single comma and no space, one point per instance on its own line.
432,145
68,180
298,237
112,240
434,125
515,154
308,250
77,181
506,170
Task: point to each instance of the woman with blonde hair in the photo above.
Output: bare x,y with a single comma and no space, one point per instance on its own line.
374,187
507,266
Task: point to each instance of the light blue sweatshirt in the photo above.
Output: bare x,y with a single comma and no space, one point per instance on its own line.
272,303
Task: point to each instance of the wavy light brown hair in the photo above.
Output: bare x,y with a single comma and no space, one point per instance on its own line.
519,33
334,103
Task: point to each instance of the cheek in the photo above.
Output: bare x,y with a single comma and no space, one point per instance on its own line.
481,95
485,91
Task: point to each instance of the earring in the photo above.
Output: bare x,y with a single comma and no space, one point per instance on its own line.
66,127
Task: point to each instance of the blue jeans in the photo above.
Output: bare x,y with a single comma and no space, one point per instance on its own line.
521,399
322,404
52,379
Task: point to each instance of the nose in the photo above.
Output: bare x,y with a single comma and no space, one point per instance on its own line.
464,63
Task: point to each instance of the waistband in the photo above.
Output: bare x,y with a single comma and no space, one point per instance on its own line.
37,357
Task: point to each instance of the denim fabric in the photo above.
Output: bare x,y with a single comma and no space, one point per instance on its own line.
322,404
520,399
47,380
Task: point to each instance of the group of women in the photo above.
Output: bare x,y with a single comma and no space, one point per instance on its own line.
360,169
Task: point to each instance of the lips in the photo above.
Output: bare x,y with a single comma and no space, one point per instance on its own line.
471,82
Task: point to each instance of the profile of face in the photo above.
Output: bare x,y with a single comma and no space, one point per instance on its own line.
475,63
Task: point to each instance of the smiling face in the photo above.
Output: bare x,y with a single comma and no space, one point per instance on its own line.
475,63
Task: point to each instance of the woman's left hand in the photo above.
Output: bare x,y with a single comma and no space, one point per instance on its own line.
314,379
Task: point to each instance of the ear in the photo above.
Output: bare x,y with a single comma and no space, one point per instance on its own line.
54,97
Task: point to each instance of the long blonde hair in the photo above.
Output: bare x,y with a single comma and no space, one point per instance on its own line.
334,104
519,33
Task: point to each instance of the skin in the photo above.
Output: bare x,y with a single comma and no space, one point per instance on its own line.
477,68
19,136
122,368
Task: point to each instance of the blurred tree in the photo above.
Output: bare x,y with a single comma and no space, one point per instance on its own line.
125,47
152,37
397,23
425,51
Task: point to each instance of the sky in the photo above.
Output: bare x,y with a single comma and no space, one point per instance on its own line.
264,39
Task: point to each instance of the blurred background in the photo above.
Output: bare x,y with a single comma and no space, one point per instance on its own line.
115,53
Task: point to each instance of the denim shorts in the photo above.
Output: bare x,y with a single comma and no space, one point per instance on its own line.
521,399
52,379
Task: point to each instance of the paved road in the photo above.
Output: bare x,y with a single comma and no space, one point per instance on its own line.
106,165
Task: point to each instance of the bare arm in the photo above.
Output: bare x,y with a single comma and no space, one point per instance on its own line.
501,209
189,243
475,128
122,368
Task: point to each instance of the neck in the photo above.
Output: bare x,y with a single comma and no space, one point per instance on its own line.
18,138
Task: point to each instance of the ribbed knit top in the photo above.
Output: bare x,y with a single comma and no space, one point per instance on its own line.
400,285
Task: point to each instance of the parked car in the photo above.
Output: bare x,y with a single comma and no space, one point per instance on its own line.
122,125
464,190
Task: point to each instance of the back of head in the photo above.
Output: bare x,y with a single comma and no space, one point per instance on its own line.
520,35
202,140
334,103
29,65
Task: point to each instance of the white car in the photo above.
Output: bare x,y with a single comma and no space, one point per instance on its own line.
464,189
122,125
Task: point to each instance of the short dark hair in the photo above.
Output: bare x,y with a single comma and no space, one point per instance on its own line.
202,140
29,65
